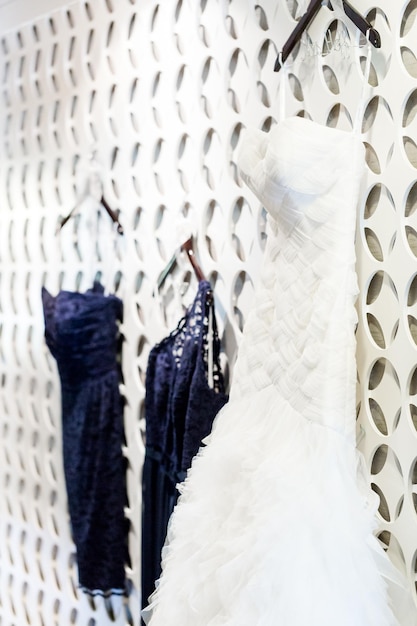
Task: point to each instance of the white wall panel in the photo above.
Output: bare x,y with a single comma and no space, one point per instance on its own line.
159,92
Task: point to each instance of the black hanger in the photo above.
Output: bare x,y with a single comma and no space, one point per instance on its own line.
359,20
366,28
113,215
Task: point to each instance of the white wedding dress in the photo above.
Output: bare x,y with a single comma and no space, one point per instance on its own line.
275,524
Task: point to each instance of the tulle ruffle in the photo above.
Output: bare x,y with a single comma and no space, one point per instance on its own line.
277,532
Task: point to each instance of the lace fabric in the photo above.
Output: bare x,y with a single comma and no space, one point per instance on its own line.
180,408
81,331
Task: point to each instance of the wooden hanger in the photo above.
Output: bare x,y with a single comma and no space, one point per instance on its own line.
93,188
359,20
188,248
112,214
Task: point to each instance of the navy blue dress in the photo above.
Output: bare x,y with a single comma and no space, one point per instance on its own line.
180,406
81,331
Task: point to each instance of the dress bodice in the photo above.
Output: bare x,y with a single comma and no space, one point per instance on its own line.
297,162
300,334
180,402
81,332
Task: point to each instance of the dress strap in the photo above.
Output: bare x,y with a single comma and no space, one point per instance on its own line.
365,84
283,87
362,98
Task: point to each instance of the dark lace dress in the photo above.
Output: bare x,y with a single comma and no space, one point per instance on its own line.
184,392
81,331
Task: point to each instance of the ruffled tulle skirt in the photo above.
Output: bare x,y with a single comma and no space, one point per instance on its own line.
275,526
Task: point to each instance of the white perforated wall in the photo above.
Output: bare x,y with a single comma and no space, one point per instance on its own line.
159,93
